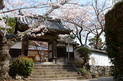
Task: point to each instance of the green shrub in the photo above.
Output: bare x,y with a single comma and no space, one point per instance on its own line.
77,63
23,66
84,52
114,39
83,71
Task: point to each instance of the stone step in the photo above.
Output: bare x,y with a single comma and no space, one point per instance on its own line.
38,67
48,73
53,70
58,78
54,76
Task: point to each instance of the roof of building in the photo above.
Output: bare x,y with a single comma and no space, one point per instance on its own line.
63,42
99,51
53,24
94,50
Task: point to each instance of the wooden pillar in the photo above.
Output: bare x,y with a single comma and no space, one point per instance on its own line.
65,52
55,51
24,49
50,51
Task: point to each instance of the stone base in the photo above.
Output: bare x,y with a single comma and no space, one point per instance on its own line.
100,70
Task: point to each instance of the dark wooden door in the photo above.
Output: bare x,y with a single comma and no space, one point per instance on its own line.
61,52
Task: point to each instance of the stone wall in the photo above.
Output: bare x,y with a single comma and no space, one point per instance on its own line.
97,71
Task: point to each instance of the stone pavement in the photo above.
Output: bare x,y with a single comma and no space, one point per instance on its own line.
96,79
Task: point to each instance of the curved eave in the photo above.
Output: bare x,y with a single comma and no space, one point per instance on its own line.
52,25
60,31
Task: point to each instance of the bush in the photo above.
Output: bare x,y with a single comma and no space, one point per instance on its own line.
78,64
23,66
114,39
84,52
83,71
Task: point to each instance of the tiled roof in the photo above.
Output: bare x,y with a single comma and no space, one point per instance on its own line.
50,24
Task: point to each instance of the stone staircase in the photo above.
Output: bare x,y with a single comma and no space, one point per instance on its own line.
53,72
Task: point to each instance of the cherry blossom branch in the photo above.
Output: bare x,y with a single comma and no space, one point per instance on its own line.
45,5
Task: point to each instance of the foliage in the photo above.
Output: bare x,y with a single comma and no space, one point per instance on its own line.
23,66
84,52
78,64
83,71
114,39
10,22
72,36
93,42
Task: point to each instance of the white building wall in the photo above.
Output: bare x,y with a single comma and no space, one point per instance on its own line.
99,59
70,48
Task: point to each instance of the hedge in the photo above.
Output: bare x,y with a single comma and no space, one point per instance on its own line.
114,38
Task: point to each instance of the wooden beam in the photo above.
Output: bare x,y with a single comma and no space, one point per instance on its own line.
22,49
45,38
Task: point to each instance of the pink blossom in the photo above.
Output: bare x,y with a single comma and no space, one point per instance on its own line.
38,35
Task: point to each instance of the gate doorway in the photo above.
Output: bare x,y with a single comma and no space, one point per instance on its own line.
61,54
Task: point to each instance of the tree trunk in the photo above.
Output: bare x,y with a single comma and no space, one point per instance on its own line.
1,4
96,46
81,42
85,61
86,38
4,59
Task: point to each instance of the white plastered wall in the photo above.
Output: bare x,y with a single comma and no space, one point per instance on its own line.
99,59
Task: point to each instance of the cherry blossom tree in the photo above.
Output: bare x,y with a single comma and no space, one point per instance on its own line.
11,8
98,21
84,18
76,18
